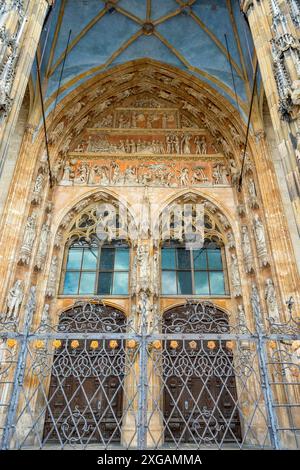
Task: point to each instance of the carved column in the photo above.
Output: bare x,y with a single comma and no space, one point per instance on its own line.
21,23
274,25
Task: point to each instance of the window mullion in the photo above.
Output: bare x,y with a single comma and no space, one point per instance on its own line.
192,271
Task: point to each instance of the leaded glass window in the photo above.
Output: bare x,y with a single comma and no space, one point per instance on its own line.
93,269
192,272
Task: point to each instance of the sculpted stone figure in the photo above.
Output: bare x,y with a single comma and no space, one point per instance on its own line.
185,144
65,146
219,174
246,248
184,177
235,277
92,174
260,240
198,175
247,163
270,296
45,319
116,173
56,133
37,189
144,308
58,239
14,300
43,244
253,200
57,169
144,272
230,239
51,286
242,319
83,174
66,174
28,239
235,135
234,171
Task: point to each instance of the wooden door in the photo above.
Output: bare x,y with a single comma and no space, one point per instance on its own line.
201,409
83,408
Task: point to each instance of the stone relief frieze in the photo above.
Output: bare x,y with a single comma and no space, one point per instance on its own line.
133,172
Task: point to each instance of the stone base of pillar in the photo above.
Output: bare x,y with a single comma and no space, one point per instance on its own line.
155,435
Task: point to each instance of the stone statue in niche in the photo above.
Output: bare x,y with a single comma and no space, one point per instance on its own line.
43,244
200,143
242,323
253,200
230,239
142,254
14,299
45,318
225,146
241,210
234,171
247,252
51,285
37,189
185,144
184,178
260,240
235,277
58,239
270,296
28,239
247,163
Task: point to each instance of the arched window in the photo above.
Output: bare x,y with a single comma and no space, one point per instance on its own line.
91,268
192,272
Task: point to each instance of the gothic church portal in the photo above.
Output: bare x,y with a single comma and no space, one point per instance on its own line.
149,211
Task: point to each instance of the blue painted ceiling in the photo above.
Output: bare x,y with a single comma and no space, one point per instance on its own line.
185,34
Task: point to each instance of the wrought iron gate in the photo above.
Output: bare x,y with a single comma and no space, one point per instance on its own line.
189,379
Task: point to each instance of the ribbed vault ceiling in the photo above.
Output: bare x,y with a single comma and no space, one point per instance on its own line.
185,34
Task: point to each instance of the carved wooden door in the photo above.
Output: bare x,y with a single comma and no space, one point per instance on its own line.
83,409
201,409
